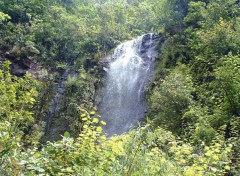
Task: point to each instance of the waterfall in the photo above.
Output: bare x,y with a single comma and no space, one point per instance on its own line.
129,71
57,98
55,106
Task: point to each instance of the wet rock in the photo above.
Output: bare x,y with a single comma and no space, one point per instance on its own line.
10,56
89,63
150,42
17,70
19,66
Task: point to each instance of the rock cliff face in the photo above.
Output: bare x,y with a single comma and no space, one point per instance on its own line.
57,98
19,66
149,46
21,60
129,71
55,125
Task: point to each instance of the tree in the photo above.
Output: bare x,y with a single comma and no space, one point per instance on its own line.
171,99
17,97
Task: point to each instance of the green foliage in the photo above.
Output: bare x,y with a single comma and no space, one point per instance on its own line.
209,47
171,99
199,128
58,35
228,83
207,14
69,31
17,126
212,33
196,94
140,152
79,92
4,17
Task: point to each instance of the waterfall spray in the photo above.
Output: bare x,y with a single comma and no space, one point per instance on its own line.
130,70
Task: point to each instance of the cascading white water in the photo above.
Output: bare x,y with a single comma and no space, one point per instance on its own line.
129,72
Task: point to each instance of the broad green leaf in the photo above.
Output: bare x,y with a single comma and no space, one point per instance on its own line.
99,129
67,134
95,120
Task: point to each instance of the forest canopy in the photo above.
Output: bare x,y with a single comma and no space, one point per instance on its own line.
192,125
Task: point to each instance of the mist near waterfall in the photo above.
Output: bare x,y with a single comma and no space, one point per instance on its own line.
130,69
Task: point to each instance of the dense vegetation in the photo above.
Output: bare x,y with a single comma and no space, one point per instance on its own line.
193,122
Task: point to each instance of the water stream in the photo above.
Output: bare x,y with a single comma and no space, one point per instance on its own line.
55,106
129,71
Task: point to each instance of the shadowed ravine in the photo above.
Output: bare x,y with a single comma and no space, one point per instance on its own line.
130,69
